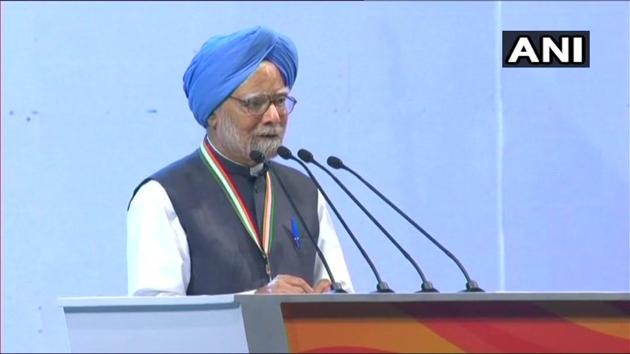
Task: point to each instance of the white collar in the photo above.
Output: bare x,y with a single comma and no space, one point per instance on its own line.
253,171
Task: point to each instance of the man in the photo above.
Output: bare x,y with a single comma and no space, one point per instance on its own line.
216,222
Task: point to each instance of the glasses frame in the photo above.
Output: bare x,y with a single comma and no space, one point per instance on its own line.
270,100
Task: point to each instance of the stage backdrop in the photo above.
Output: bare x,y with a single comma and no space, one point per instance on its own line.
523,173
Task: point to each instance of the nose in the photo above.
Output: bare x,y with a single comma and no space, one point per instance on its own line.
271,116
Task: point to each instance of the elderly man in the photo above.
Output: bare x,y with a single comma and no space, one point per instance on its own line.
216,222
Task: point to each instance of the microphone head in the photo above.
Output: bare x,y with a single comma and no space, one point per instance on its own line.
305,155
284,152
257,156
334,162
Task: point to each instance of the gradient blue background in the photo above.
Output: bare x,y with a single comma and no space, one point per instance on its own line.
523,173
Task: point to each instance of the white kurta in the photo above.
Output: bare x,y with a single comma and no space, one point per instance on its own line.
158,259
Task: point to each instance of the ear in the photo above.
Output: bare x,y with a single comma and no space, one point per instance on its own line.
212,121
211,124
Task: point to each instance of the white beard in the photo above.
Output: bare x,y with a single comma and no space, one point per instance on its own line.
236,143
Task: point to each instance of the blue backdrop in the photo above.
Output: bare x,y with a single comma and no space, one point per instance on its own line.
523,173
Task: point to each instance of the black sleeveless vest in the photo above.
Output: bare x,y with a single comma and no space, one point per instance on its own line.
224,259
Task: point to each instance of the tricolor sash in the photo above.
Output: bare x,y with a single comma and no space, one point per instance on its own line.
216,168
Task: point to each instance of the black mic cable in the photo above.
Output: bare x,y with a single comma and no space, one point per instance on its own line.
259,157
427,286
471,285
381,286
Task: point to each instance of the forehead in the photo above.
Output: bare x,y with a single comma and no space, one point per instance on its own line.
266,78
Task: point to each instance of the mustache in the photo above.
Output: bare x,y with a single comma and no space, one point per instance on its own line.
275,130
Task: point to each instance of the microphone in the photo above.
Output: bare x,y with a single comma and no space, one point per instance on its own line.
471,285
381,286
259,157
427,286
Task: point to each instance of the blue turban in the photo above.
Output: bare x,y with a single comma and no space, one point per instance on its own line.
225,62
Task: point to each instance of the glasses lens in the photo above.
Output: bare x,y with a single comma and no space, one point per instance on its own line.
258,105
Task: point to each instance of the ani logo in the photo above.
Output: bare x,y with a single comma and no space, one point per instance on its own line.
558,49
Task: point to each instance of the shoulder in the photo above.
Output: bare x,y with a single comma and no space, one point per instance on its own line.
181,168
149,192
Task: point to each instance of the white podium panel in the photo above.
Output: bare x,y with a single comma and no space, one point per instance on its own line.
155,324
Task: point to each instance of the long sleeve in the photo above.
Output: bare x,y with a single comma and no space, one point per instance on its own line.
328,242
158,260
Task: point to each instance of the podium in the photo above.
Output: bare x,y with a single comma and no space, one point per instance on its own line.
432,322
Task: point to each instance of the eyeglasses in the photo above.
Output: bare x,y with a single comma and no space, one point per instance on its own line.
259,104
